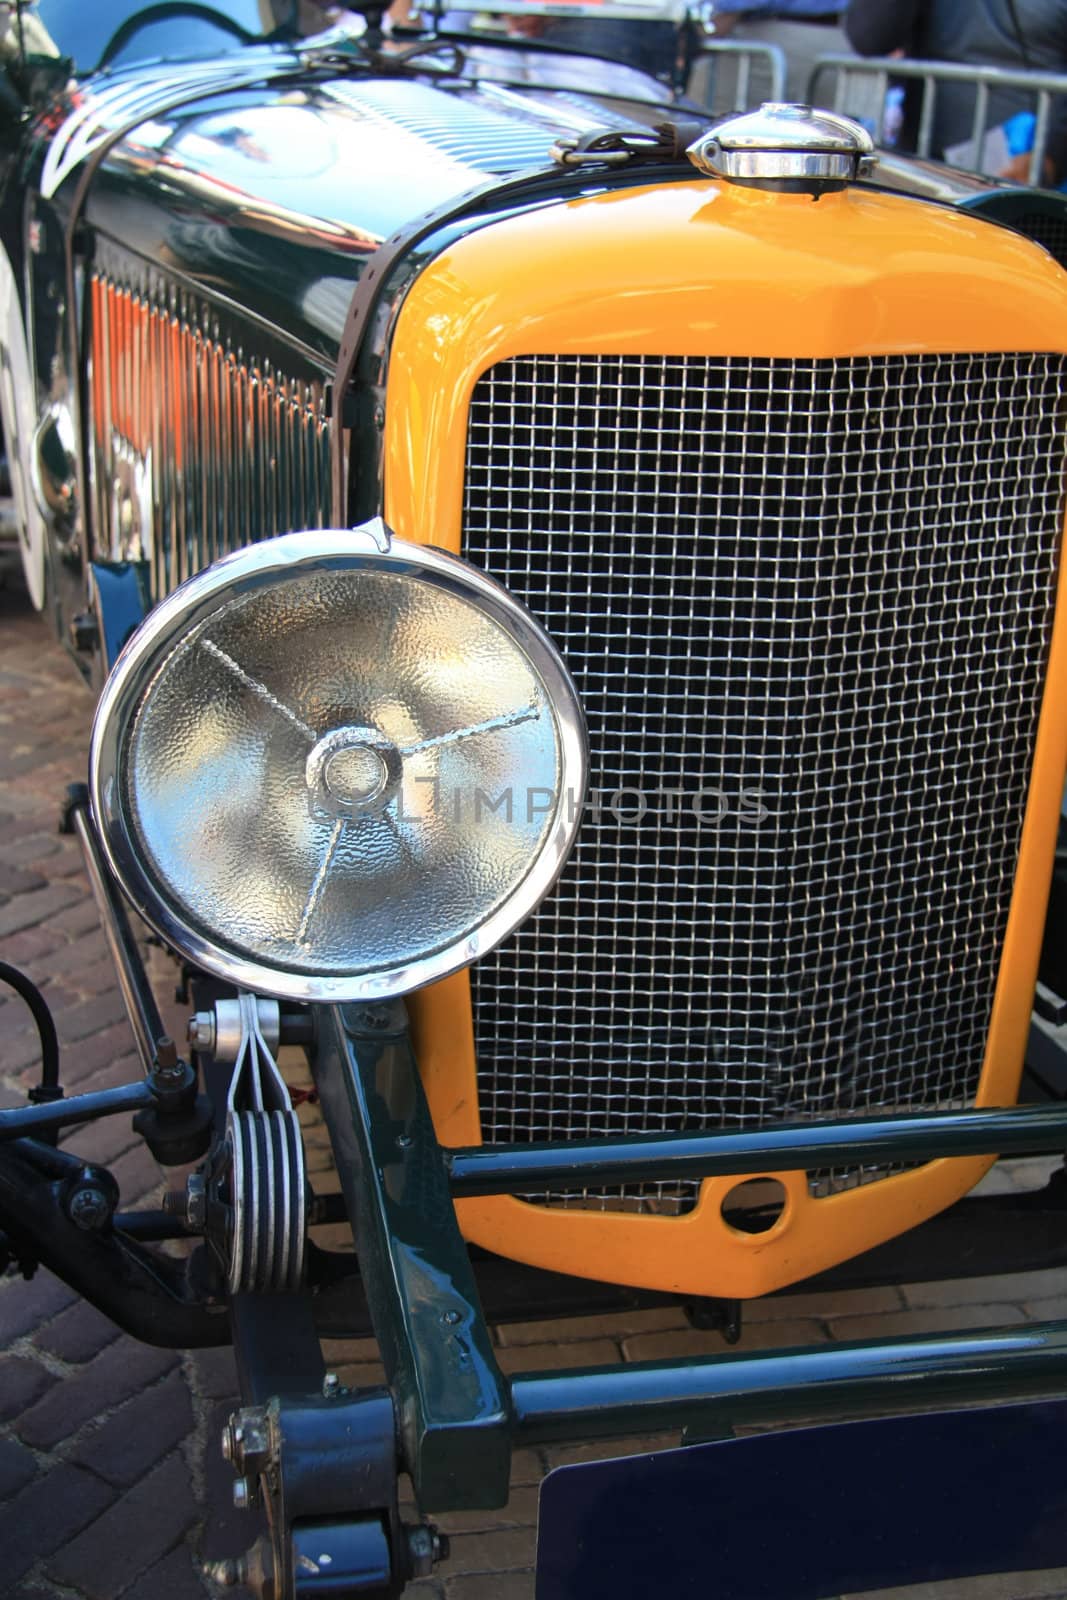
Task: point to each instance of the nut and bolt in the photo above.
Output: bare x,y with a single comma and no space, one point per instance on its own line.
189,1205
168,1066
375,1018
332,1387
233,1439
247,1444
201,1032
227,1574
255,1569
89,1208
425,1547
196,1200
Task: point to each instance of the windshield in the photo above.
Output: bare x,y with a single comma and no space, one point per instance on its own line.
119,32
97,33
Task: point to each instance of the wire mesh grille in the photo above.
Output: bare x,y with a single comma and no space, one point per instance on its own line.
807,606
1047,230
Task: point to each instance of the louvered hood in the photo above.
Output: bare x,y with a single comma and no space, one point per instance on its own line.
277,198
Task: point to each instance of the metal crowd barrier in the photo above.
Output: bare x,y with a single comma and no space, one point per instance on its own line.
848,70
722,91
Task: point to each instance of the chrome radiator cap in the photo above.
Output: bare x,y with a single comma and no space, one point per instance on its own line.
791,147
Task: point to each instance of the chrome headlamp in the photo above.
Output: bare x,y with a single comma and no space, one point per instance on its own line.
334,766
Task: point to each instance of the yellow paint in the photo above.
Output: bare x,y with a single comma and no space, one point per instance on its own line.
699,269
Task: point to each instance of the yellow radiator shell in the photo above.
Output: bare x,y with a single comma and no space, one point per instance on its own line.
699,268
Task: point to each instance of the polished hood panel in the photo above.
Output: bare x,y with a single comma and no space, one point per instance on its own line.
276,199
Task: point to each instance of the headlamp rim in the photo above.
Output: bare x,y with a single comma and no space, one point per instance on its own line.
373,546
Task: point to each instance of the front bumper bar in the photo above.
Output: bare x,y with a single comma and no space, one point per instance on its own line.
459,1417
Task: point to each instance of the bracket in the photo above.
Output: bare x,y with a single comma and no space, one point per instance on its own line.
452,1401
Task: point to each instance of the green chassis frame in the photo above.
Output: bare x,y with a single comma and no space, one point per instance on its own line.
460,1418
328,1460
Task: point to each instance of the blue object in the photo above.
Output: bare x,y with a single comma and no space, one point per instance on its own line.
813,1512
335,1560
120,590
1019,132
893,116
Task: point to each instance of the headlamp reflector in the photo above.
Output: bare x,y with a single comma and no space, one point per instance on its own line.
335,766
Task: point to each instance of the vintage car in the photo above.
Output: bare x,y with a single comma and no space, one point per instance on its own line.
572,591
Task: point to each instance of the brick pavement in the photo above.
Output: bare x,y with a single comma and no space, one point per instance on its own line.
110,1476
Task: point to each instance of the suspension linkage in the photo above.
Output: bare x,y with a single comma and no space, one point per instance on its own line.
18,1122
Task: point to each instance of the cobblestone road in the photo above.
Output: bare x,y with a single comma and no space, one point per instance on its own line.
108,1450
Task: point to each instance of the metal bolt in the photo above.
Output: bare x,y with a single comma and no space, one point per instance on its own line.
374,1019
404,1141
242,1494
228,1574
201,1032
89,1208
196,1200
233,1436
425,1546
420,1552
168,1067
451,1317
379,416
331,1386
